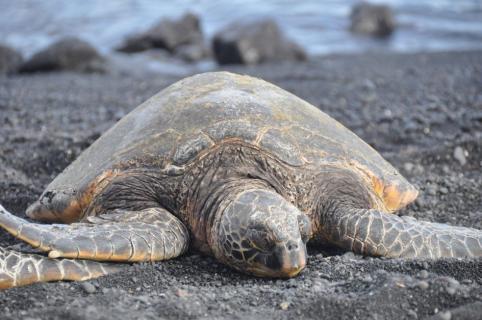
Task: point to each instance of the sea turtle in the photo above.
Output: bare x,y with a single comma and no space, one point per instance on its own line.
234,166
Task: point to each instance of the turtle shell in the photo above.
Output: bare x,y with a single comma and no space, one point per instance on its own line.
174,126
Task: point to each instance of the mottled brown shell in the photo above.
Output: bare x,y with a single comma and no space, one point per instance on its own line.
176,125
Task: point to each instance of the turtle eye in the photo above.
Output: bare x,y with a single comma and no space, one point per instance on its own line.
305,228
260,240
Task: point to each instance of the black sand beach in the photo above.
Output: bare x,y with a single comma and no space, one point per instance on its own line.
422,112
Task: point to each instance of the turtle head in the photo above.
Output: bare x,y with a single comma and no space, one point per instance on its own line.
267,241
55,206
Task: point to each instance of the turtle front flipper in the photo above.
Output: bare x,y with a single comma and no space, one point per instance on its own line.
129,236
374,233
20,269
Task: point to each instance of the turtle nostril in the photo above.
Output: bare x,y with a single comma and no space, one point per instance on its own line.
292,246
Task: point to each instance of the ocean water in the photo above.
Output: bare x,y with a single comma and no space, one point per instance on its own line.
319,26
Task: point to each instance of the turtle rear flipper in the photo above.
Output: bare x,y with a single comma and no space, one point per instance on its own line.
374,233
19,269
128,236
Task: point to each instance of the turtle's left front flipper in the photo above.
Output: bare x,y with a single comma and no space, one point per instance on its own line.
20,269
375,233
128,236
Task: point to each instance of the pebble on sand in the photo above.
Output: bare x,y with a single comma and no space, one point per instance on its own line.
422,284
423,274
181,293
444,315
460,155
284,305
88,287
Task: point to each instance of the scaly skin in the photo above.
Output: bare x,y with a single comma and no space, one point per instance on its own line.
128,236
123,236
19,269
348,218
374,233
258,231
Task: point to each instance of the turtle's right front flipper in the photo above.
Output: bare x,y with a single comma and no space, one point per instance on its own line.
151,234
371,232
20,269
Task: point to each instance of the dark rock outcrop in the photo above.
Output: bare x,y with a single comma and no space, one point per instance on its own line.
372,19
181,37
10,59
254,42
192,52
66,54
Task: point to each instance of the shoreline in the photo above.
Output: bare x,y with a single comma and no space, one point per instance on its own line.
153,61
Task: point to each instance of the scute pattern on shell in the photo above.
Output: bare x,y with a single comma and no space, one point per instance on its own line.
182,122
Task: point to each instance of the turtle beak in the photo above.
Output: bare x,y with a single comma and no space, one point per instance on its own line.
294,259
290,258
